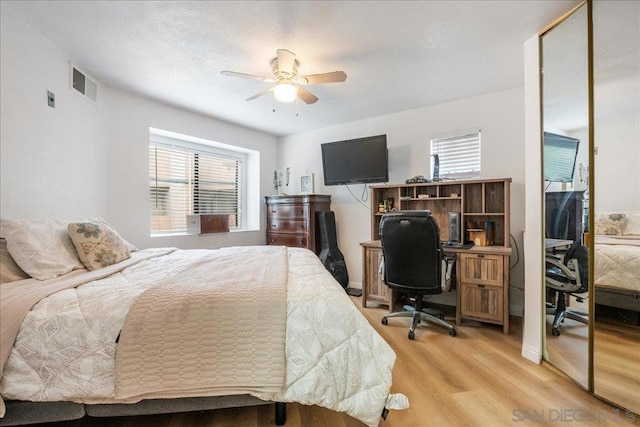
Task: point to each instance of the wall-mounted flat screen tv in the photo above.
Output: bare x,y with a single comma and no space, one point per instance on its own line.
560,154
355,161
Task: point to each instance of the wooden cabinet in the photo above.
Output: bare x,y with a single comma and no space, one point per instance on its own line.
293,220
483,291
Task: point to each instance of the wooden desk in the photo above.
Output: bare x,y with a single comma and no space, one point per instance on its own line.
482,279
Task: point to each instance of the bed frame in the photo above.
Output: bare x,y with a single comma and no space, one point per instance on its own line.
618,298
21,412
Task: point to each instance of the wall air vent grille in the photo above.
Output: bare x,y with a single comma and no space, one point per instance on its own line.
84,85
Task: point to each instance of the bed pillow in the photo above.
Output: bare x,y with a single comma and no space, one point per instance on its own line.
9,270
610,224
42,249
633,224
97,244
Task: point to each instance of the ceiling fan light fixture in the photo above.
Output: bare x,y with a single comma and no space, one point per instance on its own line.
285,92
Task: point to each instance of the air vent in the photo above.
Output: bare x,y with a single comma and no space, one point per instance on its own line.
83,84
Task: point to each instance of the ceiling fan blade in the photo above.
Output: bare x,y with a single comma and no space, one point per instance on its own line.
258,95
332,77
243,75
286,60
306,96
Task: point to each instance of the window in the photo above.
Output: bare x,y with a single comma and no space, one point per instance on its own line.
192,178
459,155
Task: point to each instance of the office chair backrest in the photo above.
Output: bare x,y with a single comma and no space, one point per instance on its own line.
411,250
581,254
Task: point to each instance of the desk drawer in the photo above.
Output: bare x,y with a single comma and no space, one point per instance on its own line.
277,210
287,226
291,240
482,302
481,269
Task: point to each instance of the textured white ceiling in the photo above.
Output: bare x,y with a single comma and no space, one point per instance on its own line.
397,55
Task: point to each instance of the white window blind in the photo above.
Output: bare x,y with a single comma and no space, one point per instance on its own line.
187,178
459,155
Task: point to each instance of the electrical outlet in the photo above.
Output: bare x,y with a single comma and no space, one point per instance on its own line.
51,99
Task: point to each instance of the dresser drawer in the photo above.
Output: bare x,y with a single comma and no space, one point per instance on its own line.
292,240
287,226
283,210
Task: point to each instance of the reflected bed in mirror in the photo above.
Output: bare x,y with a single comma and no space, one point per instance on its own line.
616,228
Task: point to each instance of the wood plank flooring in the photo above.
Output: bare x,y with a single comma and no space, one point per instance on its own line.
475,379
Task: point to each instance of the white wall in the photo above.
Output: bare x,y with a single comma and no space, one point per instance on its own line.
52,159
81,159
617,175
500,115
129,119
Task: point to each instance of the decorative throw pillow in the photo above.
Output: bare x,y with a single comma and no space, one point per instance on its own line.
129,245
97,244
9,270
611,224
42,249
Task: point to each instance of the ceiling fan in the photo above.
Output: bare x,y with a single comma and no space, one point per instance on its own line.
288,83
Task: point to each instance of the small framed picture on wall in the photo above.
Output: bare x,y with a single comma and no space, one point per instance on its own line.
306,184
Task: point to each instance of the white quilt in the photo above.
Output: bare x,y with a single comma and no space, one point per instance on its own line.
617,262
66,346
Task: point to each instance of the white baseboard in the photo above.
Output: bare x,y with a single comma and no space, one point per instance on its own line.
355,285
531,354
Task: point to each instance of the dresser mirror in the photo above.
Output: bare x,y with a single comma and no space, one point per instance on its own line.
565,154
616,337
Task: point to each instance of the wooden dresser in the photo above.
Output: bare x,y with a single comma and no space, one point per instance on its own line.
293,220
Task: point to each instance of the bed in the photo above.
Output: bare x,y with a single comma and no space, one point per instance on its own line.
104,327
617,260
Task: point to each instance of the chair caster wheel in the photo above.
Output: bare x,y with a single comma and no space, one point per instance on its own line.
411,335
452,332
555,332
384,321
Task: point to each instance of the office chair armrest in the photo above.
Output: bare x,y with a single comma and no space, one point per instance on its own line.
570,270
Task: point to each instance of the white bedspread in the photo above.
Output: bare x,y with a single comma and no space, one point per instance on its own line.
617,262
66,346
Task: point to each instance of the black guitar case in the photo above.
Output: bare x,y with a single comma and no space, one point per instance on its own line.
330,255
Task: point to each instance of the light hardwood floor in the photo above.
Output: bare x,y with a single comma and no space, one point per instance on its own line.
477,378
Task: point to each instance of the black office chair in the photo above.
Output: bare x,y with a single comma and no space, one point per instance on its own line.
413,263
568,275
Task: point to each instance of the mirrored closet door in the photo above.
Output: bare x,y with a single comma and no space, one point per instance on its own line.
565,153
616,169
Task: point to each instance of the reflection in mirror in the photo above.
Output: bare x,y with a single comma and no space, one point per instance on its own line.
616,231
565,107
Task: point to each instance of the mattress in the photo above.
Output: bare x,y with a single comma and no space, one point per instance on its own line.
617,263
66,347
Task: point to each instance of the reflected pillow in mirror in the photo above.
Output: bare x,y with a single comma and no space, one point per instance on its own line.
610,224
633,224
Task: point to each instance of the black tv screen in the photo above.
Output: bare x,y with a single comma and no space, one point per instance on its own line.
560,154
355,161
